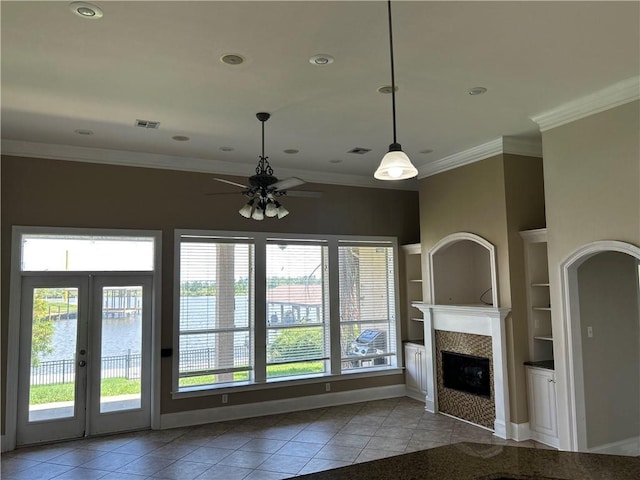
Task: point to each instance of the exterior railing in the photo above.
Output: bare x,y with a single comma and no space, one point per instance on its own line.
128,366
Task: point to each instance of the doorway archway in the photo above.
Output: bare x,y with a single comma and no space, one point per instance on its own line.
601,299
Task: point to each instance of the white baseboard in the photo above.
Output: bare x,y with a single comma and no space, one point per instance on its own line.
419,396
519,431
628,447
546,439
6,445
235,412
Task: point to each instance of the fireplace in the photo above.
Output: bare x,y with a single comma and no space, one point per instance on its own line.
466,373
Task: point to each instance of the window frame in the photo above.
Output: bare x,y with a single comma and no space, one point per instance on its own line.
260,241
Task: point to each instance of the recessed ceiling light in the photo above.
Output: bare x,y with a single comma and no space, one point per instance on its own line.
85,10
425,151
181,138
82,131
232,59
477,91
335,160
386,89
227,149
291,150
321,59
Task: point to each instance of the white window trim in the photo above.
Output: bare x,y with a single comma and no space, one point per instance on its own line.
260,242
13,333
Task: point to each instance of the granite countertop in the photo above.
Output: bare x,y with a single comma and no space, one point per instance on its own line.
475,461
546,364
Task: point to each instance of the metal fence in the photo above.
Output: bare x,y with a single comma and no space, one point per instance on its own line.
128,366
63,371
206,359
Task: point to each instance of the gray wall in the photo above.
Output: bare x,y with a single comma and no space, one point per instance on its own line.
608,291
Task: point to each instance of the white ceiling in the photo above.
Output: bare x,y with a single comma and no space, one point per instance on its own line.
160,61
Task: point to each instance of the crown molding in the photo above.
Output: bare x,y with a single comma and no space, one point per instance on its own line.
72,153
526,147
615,95
512,145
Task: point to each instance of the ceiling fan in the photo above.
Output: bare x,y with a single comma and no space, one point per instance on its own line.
264,188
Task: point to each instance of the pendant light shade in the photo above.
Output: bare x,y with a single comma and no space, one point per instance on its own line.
395,165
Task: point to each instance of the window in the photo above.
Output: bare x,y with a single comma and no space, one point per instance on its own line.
367,305
216,312
68,252
297,309
257,309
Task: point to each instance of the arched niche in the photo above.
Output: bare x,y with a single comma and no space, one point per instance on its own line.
580,271
462,271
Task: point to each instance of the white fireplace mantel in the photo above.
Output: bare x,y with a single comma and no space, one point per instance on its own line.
477,320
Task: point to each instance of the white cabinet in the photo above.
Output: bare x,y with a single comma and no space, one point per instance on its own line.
415,371
543,419
412,257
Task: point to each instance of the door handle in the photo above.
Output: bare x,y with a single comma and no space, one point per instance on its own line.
82,363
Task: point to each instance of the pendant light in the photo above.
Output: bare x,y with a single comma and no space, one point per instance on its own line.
395,165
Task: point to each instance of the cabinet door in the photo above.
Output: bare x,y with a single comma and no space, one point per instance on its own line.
412,374
542,401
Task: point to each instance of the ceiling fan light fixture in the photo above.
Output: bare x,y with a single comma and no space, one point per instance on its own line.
258,214
271,210
246,210
282,212
395,165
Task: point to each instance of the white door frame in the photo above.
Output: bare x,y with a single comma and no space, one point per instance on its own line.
13,333
573,341
68,427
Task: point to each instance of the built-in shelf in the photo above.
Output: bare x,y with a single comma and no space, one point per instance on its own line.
544,337
412,256
538,295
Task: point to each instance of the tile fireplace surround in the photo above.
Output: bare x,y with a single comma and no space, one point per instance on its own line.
474,320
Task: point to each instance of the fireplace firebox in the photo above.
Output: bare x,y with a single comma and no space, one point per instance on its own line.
466,373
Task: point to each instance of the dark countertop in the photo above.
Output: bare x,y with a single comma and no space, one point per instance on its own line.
546,364
476,461
417,342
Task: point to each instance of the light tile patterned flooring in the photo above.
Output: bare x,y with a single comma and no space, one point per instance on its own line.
262,448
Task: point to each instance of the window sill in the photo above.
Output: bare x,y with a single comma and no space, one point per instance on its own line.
208,390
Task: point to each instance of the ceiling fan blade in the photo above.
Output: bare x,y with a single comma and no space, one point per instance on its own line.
303,194
230,182
223,193
287,183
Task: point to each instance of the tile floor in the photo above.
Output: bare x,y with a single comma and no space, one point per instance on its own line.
262,448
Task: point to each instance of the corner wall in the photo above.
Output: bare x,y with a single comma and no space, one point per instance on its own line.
494,198
592,192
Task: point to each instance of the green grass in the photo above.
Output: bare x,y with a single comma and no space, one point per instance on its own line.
63,392
273,371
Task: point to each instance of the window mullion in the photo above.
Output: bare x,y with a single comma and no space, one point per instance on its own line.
260,323
334,307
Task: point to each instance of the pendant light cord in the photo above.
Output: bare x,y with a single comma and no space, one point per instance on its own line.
393,77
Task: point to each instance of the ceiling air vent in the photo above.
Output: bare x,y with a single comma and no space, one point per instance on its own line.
147,124
359,150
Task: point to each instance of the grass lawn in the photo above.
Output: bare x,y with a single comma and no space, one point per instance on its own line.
307,368
63,392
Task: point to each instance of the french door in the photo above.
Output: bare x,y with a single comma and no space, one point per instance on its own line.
85,356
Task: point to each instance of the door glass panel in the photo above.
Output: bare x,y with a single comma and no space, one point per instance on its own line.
54,332
121,352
